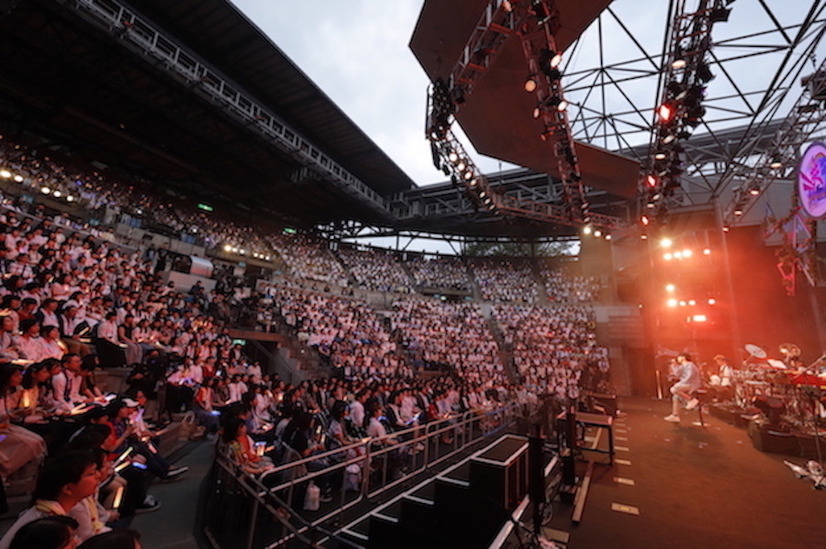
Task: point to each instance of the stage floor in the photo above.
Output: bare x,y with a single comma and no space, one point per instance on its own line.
693,487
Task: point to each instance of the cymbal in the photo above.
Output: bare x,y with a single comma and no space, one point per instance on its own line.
790,349
774,363
755,351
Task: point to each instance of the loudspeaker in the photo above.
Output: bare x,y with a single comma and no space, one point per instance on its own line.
772,408
768,440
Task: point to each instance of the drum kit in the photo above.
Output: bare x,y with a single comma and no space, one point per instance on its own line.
788,379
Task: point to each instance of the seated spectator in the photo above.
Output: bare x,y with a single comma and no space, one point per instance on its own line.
242,447
57,532
19,446
123,538
64,481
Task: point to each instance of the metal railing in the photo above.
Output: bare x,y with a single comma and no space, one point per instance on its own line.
261,511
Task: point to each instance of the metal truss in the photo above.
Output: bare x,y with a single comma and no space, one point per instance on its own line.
163,50
614,96
778,161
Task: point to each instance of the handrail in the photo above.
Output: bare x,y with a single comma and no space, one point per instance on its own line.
374,455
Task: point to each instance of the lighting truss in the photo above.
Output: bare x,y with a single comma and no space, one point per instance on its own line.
778,161
535,23
613,76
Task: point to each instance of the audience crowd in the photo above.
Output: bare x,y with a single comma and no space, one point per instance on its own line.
375,269
439,272
74,303
505,280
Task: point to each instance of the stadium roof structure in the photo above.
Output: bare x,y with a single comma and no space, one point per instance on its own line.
78,71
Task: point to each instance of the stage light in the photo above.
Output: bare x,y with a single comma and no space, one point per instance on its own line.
70,198
453,157
706,252
5,174
678,255
671,302
461,166
597,233
483,194
651,180
666,112
670,287
227,248
738,211
644,237
530,84
692,302
18,178
776,164
45,190
58,194
651,205
699,318
712,301
242,251
687,253
468,175
608,236
682,303
754,191
644,220
668,256
719,15
668,139
537,112
704,72
678,63
659,156
586,230
725,229
473,182
666,242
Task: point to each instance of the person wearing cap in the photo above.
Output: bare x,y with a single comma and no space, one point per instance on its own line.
119,411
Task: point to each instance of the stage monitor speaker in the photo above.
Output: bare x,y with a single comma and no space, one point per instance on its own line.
773,408
772,441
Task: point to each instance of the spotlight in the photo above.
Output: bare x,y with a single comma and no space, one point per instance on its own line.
687,253
652,181
670,287
706,252
668,139
737,211
597,233
453,157
678,255
70,198
530,84
608,237
5,174
659,156
671,302
776,164
537,112
45,190
473,182
754,191
678,64
699,318
461,166
682,303
692,302
719,15
468,175
704,72
18,178
668,256
227,248
666,242
644,220
644,237
586,230
712,301
666,112
58,194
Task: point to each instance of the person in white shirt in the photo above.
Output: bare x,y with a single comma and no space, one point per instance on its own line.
67,385
108,345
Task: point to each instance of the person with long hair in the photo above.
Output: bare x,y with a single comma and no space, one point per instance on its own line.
19,446
242,447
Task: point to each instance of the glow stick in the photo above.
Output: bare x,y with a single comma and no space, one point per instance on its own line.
118,497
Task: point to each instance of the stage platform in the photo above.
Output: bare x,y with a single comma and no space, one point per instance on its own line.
693,487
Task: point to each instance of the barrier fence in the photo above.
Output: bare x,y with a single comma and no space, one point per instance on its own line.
266,511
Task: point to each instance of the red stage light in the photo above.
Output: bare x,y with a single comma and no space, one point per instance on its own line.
666,112
699,318
651,181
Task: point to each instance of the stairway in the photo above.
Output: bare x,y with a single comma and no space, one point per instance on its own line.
505,352
542,293
463,507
